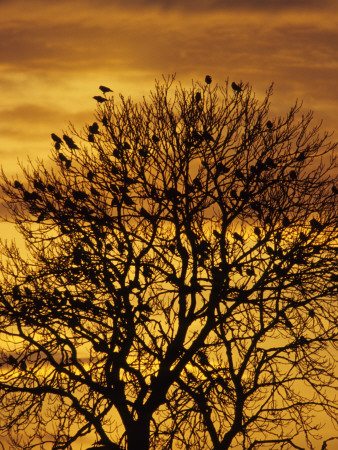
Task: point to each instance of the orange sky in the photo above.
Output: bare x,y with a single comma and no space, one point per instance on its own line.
54,55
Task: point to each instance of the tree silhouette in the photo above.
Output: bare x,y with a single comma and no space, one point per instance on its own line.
180,283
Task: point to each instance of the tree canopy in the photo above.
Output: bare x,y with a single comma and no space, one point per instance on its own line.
179,285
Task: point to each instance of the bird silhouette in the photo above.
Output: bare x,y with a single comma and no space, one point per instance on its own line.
208,79
105,89
270,163
94,129
202,358
236,87
286,221
316,225
99,99
238,237
233,193
56,138
18,185
293,175
269,124
11,360
198,97
39,185
70,143
94,191
301,157
90,175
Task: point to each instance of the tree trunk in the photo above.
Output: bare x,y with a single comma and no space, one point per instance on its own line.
138,435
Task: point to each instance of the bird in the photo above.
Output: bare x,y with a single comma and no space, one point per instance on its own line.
90,175
334,190
11,360
238,237
270,163
293,175
143,152
208,79
79,195
198,97
56,138
70,143
301,157
94,191
233,193
197,182
18,185
316,225
105,89
39,185
202,358
94,129
236,87
286,221
155,139
99,99
269,124
239,173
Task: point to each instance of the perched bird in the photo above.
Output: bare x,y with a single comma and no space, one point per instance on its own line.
128,200
62,157
56,138
270,163
18,185
39,185
286,221
105,121
94,191
239,173
197,183
79,195
269,124
208,79
202,358
11,360
236,87
293,175
99,99
94,129
70,143
105,89
155,139
334,190
198,97
257,231
238,237
302,236
90,175
316,225
301,157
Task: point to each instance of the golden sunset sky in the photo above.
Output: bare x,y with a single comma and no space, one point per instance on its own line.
55,54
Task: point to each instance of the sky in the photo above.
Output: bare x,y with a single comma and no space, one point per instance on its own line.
55,54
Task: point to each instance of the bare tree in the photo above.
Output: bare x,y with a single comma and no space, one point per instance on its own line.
179,288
